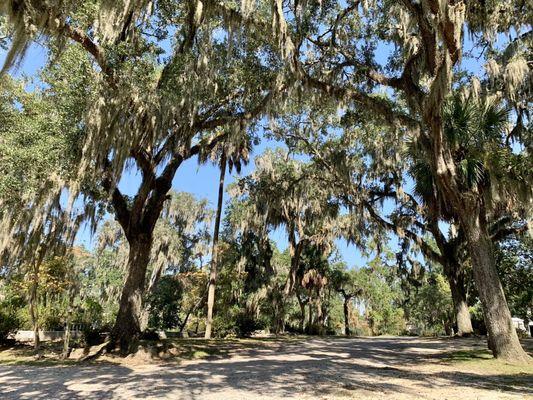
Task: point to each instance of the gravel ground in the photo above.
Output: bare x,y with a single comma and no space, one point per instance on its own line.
358,368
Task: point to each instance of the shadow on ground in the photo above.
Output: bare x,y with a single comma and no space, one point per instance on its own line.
317,367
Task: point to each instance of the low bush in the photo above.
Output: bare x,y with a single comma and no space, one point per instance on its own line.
9,323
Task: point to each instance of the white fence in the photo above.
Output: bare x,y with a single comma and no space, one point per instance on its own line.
44,336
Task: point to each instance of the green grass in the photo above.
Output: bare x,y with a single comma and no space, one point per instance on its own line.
482,361
469,355
24,355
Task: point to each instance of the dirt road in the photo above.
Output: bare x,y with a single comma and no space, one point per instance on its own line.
359,368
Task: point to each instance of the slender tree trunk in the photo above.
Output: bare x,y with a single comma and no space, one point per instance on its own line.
214,260
310,323
184,323
128,324
302,312
34,317
319,315
66,340
460,305
275,306
502,334
192,310
346,316
197,327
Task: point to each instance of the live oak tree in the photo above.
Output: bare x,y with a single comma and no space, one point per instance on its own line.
478,130
347,284
283,194
180,240
279,194
252,271
154,107
426,42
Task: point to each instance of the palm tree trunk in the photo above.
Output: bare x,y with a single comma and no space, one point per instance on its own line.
214,260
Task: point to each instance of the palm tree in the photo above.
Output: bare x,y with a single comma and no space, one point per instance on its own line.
449,248
492,180
231,153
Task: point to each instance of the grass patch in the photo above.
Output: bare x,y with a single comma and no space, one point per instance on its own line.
469,355
482,361
24,355
195,352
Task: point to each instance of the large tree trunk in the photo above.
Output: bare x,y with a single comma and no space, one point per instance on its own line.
460,305
346,315
502,334
214,260
128,324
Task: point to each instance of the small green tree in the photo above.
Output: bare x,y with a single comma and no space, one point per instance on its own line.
514,259
165,304
432,308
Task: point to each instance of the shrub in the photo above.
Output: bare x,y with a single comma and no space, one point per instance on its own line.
9,323
92,337
50,321
165,304
246,324
224,327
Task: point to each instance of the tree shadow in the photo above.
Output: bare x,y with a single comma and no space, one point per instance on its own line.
317,367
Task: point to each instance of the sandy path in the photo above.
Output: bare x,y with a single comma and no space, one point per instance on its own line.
359,368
